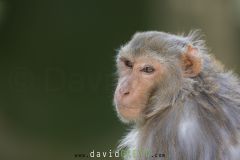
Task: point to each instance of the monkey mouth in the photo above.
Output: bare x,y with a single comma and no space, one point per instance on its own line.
126,107
128,112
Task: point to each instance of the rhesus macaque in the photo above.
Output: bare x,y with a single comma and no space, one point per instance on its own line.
181,103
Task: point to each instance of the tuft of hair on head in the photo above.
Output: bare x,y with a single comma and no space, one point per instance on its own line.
197,40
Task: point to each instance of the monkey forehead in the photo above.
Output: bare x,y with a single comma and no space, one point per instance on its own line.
144,54
153,59
153,41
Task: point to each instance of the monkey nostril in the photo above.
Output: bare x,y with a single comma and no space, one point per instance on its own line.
126,93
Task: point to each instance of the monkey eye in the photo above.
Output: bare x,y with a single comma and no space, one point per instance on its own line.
148,69
128,63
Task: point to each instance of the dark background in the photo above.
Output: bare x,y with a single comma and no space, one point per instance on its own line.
57,66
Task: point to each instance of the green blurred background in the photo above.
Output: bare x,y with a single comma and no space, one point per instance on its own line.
57,66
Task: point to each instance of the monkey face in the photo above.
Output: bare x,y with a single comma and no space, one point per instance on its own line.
136,81
151,68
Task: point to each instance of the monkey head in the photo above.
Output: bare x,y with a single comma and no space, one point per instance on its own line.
150,69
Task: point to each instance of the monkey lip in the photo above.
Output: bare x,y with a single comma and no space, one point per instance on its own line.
127,107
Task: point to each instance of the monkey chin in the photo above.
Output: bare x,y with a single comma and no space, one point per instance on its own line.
129,114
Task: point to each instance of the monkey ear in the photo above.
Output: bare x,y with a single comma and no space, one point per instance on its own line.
191,62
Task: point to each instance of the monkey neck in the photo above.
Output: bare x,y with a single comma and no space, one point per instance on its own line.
183,128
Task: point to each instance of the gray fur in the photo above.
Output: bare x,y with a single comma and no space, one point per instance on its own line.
187,118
